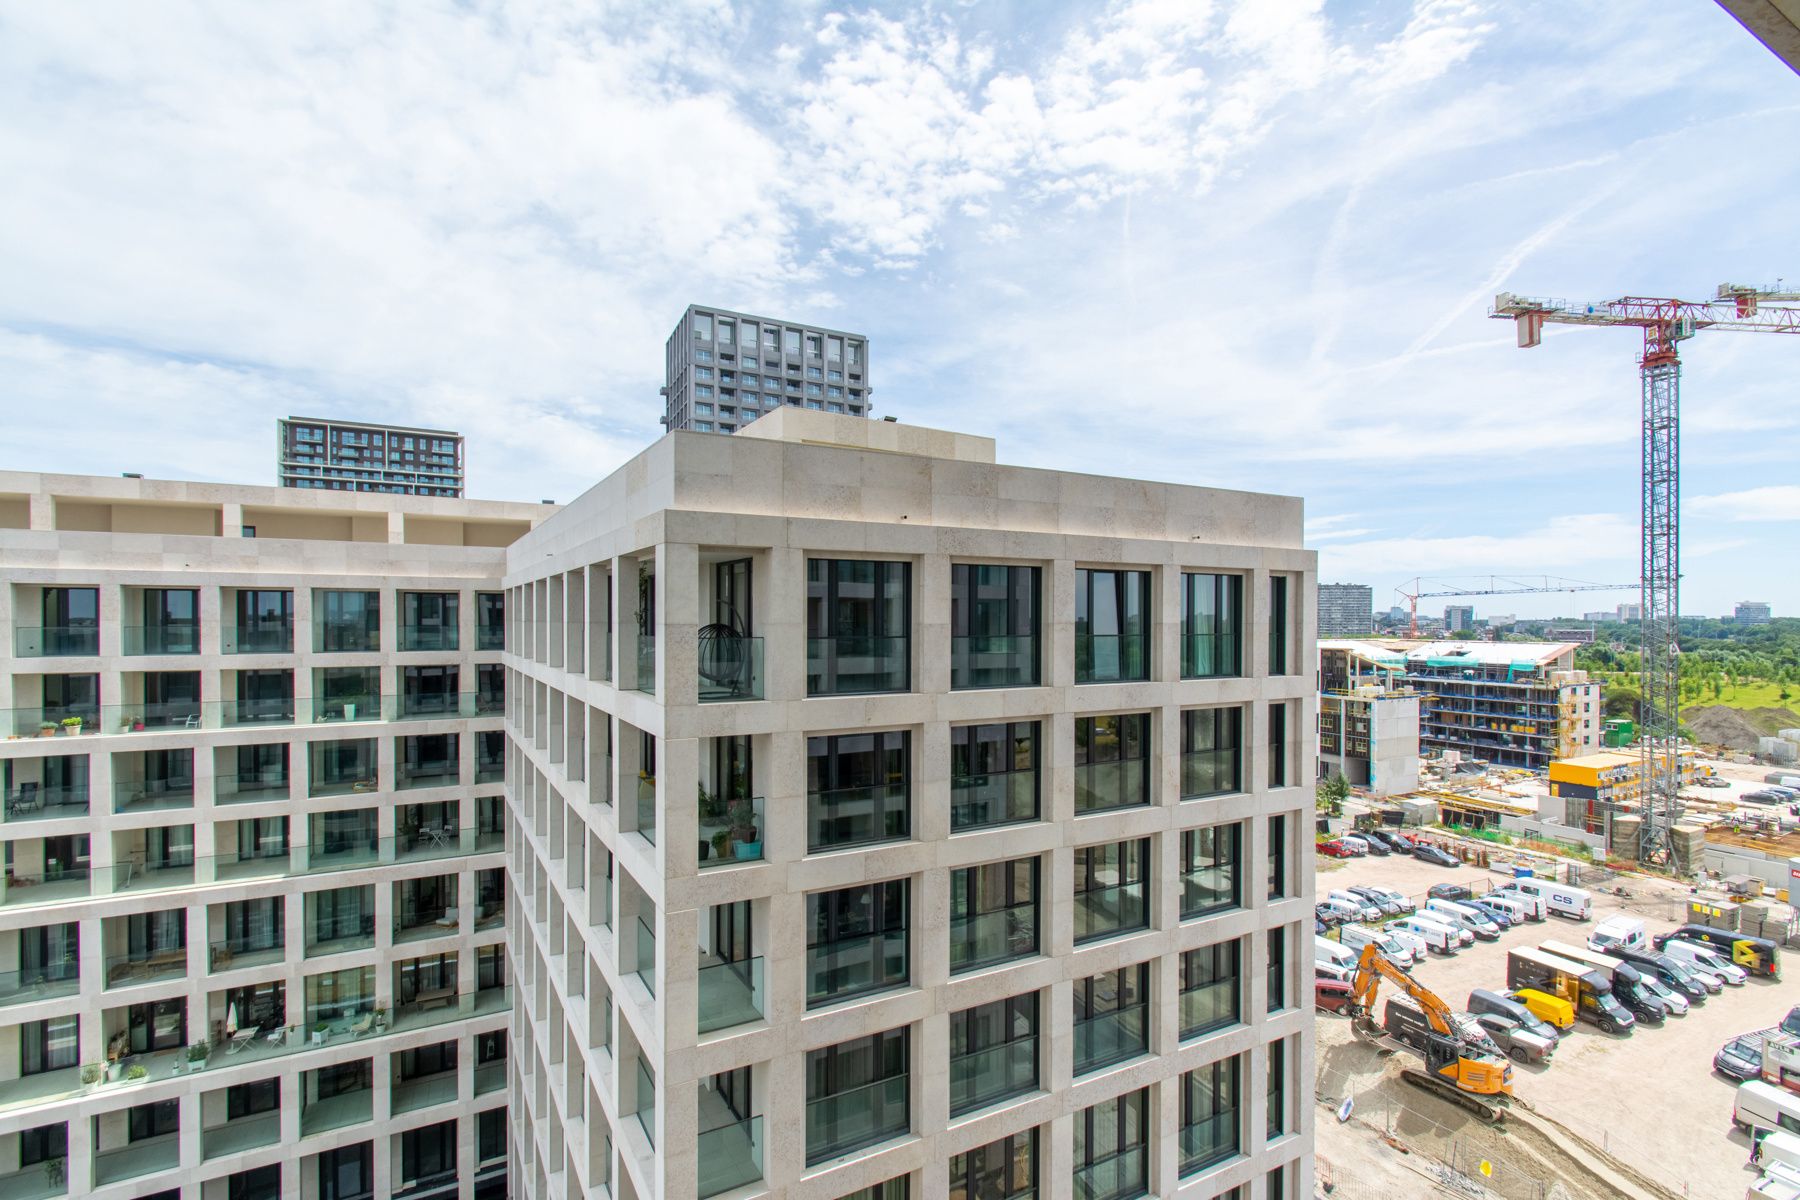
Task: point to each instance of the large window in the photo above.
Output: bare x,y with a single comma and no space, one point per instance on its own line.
1210,880
1211,989
1111,894
993,774
428,620
857,1094
346,622
993,626
858,789
858,626
1278,744
1112,761
1209,1115
428,1155
993,1052
347,1173
857,942
490,620
1277,1097
1002,1170
993,913
1277,969
1112,1142
1212,751
1112,626
171,623
1112,1017
1211,626
49,1045
265,623
1279,659
1278,857
71,617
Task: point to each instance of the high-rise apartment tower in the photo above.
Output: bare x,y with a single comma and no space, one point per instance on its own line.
725,369
1346,609
884,820
350,456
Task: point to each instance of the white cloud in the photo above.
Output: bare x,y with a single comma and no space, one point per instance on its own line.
1778,502
1592,542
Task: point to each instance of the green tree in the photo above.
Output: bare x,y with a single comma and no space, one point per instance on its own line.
1330,793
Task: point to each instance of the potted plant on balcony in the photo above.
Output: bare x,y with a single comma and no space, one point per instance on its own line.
196,1055
47,729
71,726
91,1073
320,1032
743,830
136,1073
380,1017
55,1173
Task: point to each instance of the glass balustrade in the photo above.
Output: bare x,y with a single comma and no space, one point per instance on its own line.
56,641
731,993
161,639
994,661
731,1156
993,1074
730,669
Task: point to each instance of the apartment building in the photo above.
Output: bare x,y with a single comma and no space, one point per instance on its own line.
1370,736
253,905
887,822
1592,786
1459,618
353,456
1512,704
723,370
1346,610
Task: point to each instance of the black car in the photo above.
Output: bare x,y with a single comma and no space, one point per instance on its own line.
1432,854
1326,916
1740,1059
1791,1022
1761,798
1377,847
1449,891
1394,840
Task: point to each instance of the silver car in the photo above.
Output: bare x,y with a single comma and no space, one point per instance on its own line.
1519,1043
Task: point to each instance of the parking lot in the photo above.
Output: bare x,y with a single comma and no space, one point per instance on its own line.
1650,1097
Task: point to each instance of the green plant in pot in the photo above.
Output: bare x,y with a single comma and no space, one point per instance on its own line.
721,842
744,831
71,724
55,1172
91,1072
136,1072
196,1055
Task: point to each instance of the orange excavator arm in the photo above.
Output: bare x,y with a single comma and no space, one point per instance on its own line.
1374,966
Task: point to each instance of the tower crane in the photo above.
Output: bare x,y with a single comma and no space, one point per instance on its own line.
1665,323
1499,586
1457,1068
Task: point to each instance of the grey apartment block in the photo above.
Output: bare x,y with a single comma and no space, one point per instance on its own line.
881,817
725,369
254,841
351,456
1346,609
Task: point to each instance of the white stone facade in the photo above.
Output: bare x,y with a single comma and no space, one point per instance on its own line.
615,913
164,894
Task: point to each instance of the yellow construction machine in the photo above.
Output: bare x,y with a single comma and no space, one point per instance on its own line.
1457,1067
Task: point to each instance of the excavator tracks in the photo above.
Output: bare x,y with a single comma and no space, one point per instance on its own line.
1467,1101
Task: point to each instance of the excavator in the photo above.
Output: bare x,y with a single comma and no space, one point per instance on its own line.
1457,1068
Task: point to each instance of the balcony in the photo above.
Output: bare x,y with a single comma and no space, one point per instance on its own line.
355,1107
858,1117
731,1157
1111,657
978,801
161,639
56,641
33,1183
993,1074
149,1156
855,664
48,722
32,800
856,966
241,1134
267,710
428,637
247,787
234,953
353,636
260,637
984,939
427,706
146,966
994,661
646,808
1115,1177
1111,1037
646,955
646,664
646,1103
731,993
424,1091
32,984
859,815
1211,1006
52,882
730,833
1209,1142
730,669
490,637
1103,912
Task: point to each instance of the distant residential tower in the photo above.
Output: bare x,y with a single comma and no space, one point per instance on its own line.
1751,612
725,369
1346,609
350,456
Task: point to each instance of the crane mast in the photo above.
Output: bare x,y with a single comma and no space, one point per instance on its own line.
1665,324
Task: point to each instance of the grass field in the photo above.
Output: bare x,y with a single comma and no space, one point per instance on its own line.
1748,694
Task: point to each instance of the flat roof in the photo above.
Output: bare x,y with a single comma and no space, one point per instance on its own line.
383,426
1394,651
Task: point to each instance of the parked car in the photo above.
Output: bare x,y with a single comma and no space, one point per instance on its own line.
1388,904
1320,929
1517,1042
1432,854
1791,1022
1740,1059
1712,781
1398,897
1335,849
1331,918
1331,995
1448,891
1396,841
1674,1003
1370,844
1502,917
1760,797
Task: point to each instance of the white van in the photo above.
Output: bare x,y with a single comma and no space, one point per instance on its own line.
1412,941
1777,1147
1559,898
1327,951
1533,903
1619,933
1464,917
1344,910
1763,1106
1512,906
1357,936
1779,1182
1369,910
1439,938
1706,959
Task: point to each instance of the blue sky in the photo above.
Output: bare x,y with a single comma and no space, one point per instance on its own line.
1247,245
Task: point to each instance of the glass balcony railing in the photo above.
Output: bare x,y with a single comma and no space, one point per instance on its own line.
646,664
241,1134
994,661
425,1091
1209,889
859,815
428,637
853,664
179,715
855,1118
56,641
263,637
1210,773
730,669
51,883
231,953
1115,1177
646,955
646,809
731,993
1111,657
426,706
146,1156
856,966
1209,1007
1208,1143
31,802
161,639
345,637
490,637
993,1074
977,801
1103,912
731,1156
246,787
269,710
1112,1037
1111,785
489,769
1210,656
731,832
646,1103
146,966
28,985
427,773
983,939
34,1183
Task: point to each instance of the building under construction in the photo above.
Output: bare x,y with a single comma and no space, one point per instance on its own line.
1511,704
1370,736
1592,785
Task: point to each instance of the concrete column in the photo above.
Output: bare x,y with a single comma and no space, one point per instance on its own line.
231,520
43,517
396,527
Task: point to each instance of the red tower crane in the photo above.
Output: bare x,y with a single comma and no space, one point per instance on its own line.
1665,324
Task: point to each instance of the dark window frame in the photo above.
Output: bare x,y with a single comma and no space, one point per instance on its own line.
1212,751
985,752
1131,744
1223,851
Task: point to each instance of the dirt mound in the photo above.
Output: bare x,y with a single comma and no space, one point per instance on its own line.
1733,728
